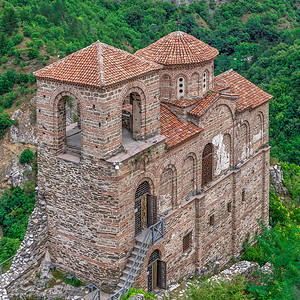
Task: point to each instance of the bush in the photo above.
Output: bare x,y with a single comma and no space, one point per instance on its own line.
4,67
4,59
18,103
132,291
5,123
32,53
26,157
44,63
211,290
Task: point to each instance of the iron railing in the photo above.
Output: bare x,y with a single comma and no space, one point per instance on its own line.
1,265
155,234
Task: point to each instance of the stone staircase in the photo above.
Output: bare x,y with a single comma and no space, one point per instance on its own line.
150,236
131,259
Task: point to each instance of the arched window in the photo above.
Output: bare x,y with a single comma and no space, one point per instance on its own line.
207,164
205,81
180,87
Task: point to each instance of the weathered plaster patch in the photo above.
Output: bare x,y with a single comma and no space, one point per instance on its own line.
258,136
223,161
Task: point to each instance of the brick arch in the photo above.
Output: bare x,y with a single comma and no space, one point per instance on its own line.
166,85
168,186
161,249
228,107
228,142
258,130
135,86
65,91
58,100
243,135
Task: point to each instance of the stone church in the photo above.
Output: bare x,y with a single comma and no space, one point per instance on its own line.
163,168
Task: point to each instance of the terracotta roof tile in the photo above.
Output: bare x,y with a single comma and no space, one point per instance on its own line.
203,104
175,129
97,65
249,95
178,48
182,103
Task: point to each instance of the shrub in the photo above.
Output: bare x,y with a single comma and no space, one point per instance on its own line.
32,53
26,157
44,63
5,123
210,290
31,79
18,38
132,291
18,103
4,67
4,59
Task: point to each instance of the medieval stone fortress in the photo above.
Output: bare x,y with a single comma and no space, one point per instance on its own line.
162,169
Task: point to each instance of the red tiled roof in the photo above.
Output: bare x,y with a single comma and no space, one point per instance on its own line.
203,104
182,103
249,95
178,48
175,129
97,65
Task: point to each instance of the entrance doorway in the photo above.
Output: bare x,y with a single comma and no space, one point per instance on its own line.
156,271
145,208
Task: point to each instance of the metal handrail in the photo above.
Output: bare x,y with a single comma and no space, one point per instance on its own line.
155,233
1,264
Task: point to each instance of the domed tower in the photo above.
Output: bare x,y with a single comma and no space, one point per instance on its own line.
188,65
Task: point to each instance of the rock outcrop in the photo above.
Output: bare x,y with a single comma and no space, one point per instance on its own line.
276,179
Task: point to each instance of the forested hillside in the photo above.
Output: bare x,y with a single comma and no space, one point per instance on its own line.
260,39
34,33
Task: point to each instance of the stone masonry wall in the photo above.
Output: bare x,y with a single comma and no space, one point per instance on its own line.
82,217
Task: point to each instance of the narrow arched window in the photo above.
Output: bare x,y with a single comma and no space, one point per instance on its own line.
205,81
207,164
180,87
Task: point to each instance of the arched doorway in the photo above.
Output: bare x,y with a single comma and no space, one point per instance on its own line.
157,272
145,206
207,164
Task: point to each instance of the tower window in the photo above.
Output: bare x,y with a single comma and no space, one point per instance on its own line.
212,220
180,87
229,206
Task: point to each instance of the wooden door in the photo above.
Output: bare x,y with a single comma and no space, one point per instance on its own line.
154,275
144,212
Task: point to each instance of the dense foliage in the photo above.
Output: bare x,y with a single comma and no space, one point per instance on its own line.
259,39
16,205
26,157
280,245
5,123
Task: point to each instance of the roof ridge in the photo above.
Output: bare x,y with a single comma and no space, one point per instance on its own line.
225,73
126,52
100,64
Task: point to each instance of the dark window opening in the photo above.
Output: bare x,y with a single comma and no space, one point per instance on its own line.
243,195
212,220
207,164
229,206
187,242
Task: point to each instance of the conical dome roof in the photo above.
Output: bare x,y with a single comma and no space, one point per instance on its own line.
178,48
